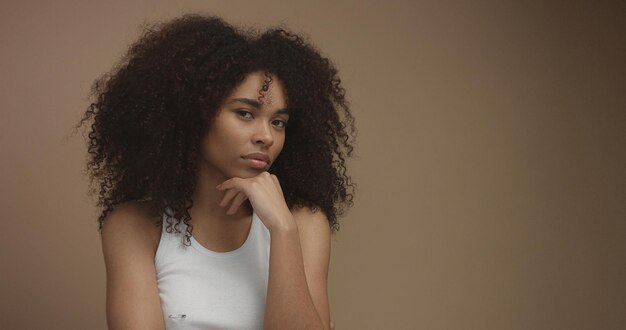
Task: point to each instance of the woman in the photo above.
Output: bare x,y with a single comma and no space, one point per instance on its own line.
219,157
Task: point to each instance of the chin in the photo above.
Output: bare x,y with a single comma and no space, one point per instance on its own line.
247,173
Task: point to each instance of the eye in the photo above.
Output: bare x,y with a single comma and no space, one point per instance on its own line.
279,123
245,114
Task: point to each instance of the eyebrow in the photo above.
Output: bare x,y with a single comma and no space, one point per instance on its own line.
257,105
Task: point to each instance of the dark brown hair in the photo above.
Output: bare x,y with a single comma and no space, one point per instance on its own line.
150,113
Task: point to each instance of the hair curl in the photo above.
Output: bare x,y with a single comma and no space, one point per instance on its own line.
151,111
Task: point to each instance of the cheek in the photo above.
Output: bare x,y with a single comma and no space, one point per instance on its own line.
279,142
216,144
221,134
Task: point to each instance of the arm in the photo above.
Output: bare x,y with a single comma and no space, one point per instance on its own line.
299,253
129,242
297,290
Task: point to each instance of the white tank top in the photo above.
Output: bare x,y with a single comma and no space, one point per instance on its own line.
204,289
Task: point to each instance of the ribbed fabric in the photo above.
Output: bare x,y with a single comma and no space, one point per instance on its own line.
204,289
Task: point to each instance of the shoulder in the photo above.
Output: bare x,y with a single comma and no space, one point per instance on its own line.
314,232
130,237
130,224
312,221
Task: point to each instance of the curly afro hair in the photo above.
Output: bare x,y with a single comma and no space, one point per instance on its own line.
150,113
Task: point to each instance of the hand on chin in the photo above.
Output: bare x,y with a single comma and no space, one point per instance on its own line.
265,195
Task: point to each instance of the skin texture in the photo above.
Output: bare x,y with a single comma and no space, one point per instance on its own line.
192,121
300,238
150,115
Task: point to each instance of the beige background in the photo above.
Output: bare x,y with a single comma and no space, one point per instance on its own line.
491,158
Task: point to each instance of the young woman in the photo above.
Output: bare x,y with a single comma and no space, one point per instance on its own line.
219,159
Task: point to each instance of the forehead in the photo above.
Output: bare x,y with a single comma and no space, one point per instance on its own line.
267,89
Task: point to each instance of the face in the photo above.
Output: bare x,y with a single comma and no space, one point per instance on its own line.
247,133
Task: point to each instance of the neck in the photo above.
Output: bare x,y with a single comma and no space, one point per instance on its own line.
212,227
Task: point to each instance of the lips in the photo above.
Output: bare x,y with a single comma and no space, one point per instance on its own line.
257,160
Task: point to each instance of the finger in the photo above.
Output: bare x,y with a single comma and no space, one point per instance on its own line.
228,196
236,203
230,183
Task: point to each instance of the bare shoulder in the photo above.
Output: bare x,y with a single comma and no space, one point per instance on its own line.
130,238
311,220
131,224
314,232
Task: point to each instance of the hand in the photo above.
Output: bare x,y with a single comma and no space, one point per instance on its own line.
265,195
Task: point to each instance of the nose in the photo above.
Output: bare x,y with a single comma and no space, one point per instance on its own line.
263,135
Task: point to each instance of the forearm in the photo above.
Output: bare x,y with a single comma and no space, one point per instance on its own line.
296,296
289,304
